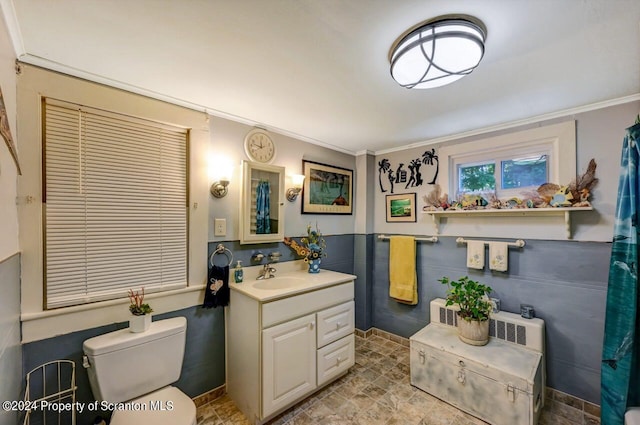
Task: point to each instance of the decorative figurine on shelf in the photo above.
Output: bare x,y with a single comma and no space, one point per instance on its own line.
562,198
436,200
547,195
312,247
580,188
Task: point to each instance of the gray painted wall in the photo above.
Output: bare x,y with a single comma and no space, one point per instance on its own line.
566,282
202,368
11,381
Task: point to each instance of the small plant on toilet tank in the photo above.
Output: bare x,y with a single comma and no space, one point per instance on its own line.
140,310
472,299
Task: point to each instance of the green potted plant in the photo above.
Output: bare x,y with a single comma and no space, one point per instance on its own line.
472,299
141,312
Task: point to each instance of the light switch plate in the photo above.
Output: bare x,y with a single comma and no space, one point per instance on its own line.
220,227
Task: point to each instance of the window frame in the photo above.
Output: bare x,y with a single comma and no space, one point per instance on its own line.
558,139
34,84
496,157
59,195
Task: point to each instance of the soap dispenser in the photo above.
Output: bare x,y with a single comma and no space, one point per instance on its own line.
238,274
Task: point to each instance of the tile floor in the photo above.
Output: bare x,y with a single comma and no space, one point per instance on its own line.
375,391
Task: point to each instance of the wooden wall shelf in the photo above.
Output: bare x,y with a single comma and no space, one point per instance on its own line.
515,212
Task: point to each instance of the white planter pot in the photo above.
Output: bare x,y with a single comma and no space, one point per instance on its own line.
139,323
473,332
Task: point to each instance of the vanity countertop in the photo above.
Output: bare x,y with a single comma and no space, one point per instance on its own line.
292,278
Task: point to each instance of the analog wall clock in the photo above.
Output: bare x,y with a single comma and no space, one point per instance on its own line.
259,146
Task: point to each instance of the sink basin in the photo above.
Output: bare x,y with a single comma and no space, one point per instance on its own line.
283,282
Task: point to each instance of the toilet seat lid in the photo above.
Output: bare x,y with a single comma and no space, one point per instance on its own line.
167,406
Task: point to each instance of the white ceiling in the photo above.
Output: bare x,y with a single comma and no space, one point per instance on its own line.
318,69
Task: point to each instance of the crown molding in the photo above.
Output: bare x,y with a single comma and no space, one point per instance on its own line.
517,123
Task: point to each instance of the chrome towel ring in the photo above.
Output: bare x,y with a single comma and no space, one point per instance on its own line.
220,249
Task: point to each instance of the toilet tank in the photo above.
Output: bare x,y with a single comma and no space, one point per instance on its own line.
123,365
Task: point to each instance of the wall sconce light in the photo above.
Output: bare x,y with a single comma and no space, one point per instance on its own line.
219,188
293,192
220,168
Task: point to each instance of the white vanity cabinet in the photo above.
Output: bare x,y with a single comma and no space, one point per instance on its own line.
280,350
288,362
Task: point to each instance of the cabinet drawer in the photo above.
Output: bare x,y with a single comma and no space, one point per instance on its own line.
335,359
280,311
335,323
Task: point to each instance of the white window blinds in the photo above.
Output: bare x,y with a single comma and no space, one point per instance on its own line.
115,205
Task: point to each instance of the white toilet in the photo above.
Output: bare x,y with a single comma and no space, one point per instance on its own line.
135,369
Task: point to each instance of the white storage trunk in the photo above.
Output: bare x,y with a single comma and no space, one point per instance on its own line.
500,383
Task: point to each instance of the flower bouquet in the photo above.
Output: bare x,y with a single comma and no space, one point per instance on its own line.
312,247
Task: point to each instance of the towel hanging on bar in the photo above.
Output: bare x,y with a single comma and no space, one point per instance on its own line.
403,280
498,256
216,293
263,219
475,255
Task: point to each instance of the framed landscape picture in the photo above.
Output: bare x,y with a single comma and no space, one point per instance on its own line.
401,208
327,189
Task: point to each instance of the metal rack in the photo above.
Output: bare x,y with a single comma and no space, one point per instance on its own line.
53,382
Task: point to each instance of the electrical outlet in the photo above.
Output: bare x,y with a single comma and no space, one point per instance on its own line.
220,227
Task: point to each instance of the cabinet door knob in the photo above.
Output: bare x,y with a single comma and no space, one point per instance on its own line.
337,326
311,325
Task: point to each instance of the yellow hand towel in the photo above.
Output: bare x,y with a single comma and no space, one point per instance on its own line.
403,282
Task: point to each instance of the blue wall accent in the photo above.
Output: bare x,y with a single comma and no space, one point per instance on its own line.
363,268
202,368
565,281
11,382
339,249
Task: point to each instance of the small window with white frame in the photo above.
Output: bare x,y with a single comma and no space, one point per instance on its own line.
511,164
506,172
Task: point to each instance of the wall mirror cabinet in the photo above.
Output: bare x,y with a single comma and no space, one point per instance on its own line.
261,203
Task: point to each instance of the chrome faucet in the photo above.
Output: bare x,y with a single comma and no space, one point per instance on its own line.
267,272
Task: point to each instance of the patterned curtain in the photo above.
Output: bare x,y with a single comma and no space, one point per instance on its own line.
620,385
263,219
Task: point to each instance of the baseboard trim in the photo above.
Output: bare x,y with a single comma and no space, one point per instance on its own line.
209,396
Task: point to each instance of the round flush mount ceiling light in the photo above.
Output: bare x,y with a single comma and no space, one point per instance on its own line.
437,52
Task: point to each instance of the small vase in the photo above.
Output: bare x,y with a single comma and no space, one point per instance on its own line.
473,332
139,324
314,265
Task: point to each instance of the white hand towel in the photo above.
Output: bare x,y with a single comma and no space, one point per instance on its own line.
499,256
475,255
